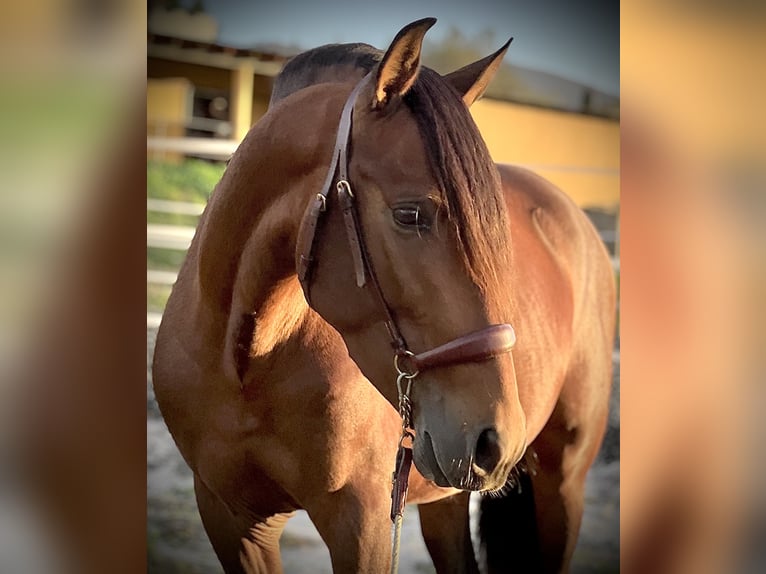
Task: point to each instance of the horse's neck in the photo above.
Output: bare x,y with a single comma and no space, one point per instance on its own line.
254,213
265,284
245,246
257,288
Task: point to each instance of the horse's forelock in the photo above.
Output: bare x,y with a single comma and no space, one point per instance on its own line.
465,173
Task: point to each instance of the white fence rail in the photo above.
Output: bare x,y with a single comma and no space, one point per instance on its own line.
222,149
161,277
175,207
165,236
177,237
200,147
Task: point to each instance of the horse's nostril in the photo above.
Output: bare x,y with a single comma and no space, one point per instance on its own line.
488,451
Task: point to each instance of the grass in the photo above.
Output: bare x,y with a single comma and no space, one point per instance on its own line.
191,181
156,297
164,259
171,218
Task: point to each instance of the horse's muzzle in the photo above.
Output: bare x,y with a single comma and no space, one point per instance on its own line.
485,468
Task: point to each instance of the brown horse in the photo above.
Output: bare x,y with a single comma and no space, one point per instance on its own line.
277,404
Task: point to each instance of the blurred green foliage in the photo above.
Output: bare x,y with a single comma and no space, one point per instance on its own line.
192,180
160,259
156,297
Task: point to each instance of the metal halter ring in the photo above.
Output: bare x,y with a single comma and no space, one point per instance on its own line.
343,184
406,434
405,392
402,372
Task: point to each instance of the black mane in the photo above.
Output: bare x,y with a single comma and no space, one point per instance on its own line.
313,67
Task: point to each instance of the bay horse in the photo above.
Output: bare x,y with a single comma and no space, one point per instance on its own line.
274,365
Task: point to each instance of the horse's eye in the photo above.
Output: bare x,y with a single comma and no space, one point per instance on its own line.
411,216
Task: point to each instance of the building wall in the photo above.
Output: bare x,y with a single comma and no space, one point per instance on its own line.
170,100
160,70
260,105
580,154
168,109
197,74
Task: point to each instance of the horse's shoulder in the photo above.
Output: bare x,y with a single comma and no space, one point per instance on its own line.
526,189
544,217
537,204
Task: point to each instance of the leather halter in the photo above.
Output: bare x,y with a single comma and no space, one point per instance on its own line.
477,346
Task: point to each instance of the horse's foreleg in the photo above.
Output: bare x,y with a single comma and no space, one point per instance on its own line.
243,545
558,508
355,525
535,525
508,530
447,534
565,453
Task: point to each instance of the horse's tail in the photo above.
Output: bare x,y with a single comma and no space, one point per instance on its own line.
507,527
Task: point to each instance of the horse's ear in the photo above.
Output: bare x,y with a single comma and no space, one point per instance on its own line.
471,80
398,70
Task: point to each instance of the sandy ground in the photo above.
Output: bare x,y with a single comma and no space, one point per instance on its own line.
176,541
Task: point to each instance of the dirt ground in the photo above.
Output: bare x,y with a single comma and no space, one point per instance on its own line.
177,544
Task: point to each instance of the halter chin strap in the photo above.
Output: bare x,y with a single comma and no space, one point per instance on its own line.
477,346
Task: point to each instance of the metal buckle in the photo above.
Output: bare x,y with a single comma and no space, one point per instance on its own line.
407,374
343,185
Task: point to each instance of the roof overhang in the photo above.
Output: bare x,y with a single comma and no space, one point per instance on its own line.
214,55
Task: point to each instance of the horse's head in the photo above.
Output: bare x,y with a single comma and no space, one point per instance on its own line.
435,250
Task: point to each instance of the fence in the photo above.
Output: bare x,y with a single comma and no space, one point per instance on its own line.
177,237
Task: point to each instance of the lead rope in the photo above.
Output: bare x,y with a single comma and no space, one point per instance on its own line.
401,474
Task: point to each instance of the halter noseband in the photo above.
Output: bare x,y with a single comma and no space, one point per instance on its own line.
477,346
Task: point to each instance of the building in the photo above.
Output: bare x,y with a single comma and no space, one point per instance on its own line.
202,89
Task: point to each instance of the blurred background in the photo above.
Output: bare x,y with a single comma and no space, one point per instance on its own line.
553,107
80,78
693,175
